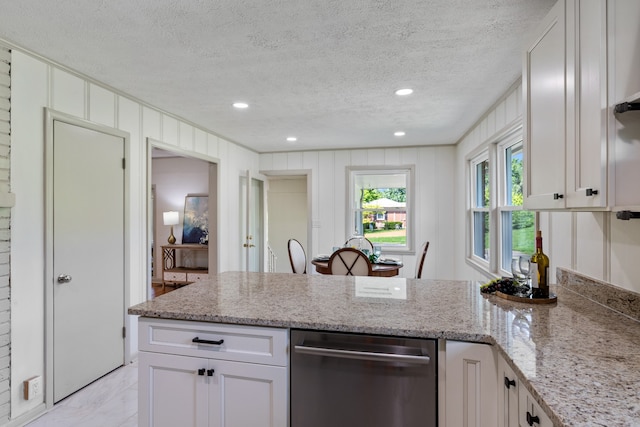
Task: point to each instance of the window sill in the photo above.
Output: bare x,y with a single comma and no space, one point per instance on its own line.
481,268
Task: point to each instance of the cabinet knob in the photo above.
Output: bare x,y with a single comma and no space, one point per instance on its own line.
532,419
201,371
210,372
591,192
508,383
557,196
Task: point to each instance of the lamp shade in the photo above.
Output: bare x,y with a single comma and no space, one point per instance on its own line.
171,218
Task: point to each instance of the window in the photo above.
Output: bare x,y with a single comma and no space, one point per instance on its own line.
517,226
499,228
380,206
480,208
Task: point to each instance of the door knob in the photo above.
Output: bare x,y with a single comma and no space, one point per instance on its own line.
64,278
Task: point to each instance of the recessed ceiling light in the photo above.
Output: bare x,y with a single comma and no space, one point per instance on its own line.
240,105
399,133
404,92
292,139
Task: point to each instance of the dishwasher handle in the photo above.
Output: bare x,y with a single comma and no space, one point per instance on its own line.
362,355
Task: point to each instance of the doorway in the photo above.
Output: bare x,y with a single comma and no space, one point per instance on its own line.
287,213
172,175
87,289
251,223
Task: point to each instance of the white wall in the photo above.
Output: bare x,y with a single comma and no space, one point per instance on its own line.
434,202
593,243
37,84
287,217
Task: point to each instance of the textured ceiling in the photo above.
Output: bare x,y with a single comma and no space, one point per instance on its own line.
322,70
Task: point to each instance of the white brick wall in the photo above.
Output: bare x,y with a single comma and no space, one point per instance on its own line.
5,234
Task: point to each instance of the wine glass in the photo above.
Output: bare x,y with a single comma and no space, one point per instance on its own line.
517,274
524,264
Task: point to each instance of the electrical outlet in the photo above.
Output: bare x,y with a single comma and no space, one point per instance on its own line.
32,388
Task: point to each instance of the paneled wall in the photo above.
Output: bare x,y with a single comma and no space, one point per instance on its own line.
434,196
37,84
592,243
5,233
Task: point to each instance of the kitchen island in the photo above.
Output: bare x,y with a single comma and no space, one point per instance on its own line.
578,359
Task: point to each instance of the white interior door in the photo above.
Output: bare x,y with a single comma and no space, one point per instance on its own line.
251,223
88,256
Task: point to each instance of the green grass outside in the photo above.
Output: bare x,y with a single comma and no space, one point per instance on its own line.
386,236
524,240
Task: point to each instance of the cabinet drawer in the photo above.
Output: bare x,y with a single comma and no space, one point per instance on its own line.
178,277
197,277
254,344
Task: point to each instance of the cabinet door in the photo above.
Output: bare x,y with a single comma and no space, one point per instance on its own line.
530,412
544,85
171,392
470,384
508,385
246,394
587,112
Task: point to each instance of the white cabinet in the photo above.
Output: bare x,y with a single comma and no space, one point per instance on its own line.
508,386
587,105
201,374
470,385
530,413
565,104
543,82
516,407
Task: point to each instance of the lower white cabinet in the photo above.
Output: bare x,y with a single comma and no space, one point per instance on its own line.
508,387
516,407
470,385
241,381
530,413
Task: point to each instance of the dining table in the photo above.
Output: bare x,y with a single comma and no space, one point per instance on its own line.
380,269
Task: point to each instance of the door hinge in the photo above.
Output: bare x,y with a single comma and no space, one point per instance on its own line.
124,332
124,163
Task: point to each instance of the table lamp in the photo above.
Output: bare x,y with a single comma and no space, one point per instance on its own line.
171,218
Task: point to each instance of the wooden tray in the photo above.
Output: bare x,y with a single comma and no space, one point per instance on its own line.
552,298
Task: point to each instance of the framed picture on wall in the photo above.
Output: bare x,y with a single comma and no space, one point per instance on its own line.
195,227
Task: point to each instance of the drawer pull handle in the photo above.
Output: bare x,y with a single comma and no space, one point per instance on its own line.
199,341
210,372
201,371
508,383
557,196
591,192
531,419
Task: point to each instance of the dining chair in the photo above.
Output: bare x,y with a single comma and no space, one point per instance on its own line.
420,261
366,243
297,257
349,262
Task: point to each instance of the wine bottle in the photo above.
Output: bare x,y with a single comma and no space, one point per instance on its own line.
539,270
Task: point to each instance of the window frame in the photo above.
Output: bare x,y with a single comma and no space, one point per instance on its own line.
409,170
478,159
494,151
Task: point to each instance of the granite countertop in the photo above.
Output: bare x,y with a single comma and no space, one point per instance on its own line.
579,359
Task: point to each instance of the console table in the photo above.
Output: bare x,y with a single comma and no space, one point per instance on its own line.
175,274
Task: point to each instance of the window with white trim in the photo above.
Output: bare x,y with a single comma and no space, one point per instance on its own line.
380,206
480,208
500,229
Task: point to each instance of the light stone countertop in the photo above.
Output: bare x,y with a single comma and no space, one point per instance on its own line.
580,359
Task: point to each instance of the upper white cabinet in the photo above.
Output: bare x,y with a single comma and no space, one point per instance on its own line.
543,82
565,108
587,108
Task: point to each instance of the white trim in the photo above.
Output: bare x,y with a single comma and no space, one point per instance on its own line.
50,116
409,170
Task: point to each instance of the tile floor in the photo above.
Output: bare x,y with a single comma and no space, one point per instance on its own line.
111,401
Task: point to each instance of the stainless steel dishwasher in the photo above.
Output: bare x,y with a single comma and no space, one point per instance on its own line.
350,380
